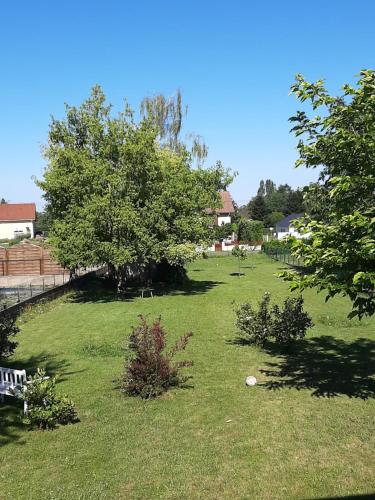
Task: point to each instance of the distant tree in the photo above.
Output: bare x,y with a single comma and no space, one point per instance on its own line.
241,254
257,208
3,201
270,187
294,202
43,222
224,231
273,218
250,231
167,114
261,189
340,141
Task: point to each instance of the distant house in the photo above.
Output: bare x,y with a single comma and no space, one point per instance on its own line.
224,215
285,227
17,219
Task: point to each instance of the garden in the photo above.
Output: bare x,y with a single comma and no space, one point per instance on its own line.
305,430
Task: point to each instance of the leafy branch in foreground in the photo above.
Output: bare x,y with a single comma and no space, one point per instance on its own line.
341,141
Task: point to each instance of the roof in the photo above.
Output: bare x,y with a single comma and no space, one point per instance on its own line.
17,211
227,202
286,222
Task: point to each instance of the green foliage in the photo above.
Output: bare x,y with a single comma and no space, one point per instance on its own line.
149,372
250,231
241,254
291,322
43,222
255,323
8,330
273,218
284,324
257,207
167,115
271,200
341,249
117,196
277,246
224,231
45,408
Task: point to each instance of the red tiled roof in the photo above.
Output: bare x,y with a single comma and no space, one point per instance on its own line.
17,211
227,204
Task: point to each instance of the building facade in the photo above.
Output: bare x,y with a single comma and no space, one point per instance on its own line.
17,219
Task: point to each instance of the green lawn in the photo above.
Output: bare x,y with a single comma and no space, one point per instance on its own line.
305,431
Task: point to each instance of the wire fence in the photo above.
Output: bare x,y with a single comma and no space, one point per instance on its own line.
284,255
13,292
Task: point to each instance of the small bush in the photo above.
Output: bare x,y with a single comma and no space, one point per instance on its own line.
45,408
8,329
291,322
284,324
256,324
150,371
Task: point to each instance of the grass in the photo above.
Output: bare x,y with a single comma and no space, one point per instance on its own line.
304,431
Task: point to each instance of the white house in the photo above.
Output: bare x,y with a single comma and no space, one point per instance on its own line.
285,227
17,219
223,216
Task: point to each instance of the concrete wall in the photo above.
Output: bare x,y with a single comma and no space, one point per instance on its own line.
7,229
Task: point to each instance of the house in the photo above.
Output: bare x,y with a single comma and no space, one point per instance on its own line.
285,227
17,219
223,216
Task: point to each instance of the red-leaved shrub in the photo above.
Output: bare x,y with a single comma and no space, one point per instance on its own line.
150,371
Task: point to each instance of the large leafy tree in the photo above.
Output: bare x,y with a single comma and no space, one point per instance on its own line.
116,195
341,141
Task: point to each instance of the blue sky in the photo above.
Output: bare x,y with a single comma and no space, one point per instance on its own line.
233,61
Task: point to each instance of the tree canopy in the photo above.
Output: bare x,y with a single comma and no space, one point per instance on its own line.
272,199
340,141
116,195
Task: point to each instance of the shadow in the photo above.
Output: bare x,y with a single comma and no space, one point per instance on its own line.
99,290
239,341
11,425
44,360
368,496
236,274
327,366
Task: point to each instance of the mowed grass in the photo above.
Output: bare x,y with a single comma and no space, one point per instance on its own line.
305,431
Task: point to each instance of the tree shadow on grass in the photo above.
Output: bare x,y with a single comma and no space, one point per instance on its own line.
327,366
11,425
98,290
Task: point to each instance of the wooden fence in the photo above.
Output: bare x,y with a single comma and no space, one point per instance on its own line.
27,259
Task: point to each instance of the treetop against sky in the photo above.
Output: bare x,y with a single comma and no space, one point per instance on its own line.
234,64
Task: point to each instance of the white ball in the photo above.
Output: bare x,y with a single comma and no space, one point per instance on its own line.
250,380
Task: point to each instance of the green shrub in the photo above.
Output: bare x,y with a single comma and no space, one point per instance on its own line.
8,329
45,408
284,325
291,322
150,372
255,323
277,246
